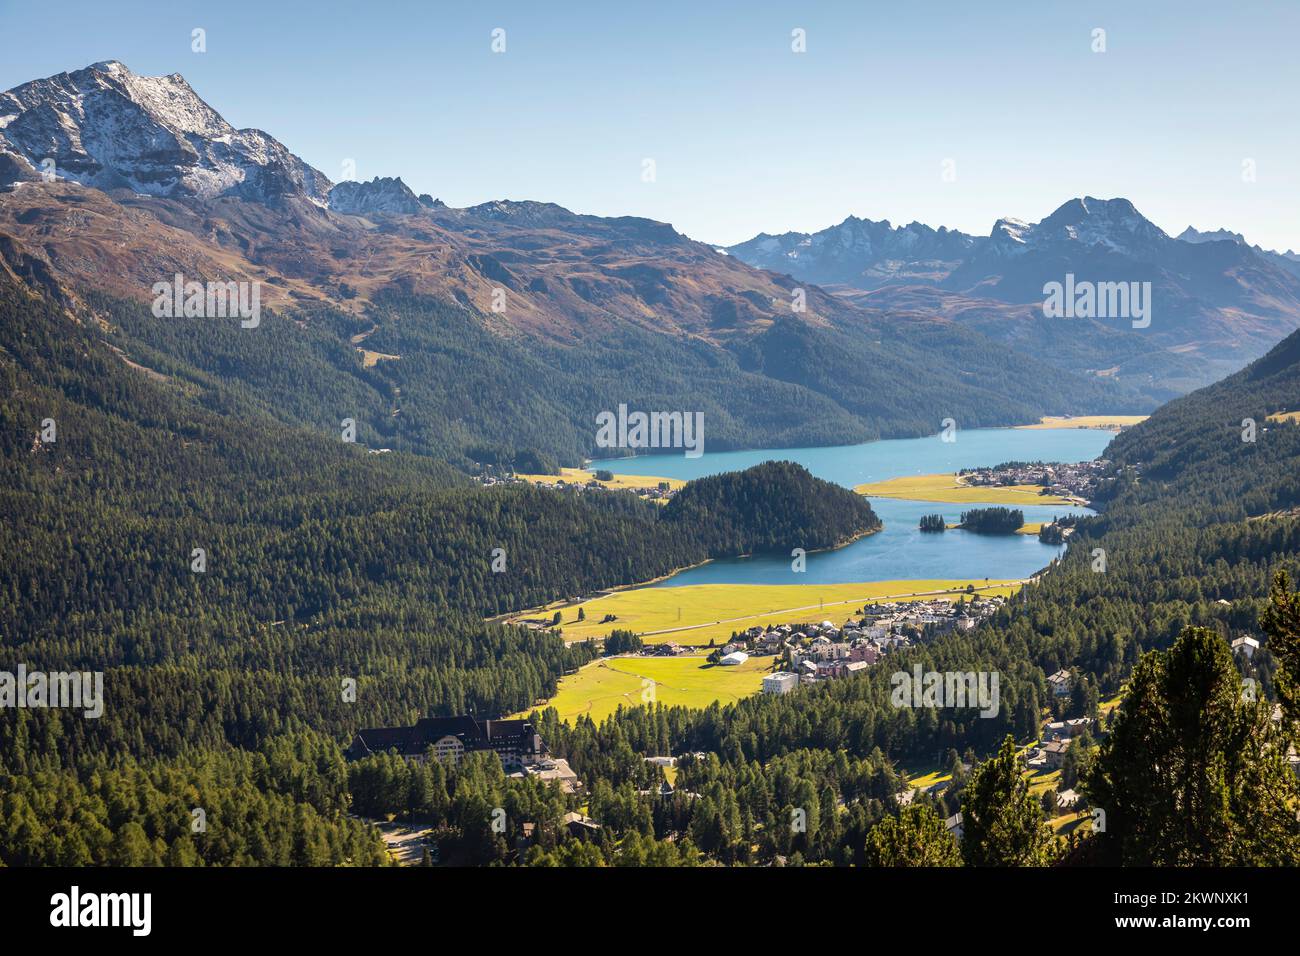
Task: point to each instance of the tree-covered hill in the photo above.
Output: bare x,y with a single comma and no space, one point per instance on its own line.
996,520
774,506
451,385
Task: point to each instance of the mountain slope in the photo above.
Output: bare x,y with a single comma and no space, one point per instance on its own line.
477,334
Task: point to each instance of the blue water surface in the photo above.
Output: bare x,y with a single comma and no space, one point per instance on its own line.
899,551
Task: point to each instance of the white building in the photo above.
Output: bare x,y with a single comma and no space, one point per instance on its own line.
955,825
734,658
1246,645
781,683
1060,683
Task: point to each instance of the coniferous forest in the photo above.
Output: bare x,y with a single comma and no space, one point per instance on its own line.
324,564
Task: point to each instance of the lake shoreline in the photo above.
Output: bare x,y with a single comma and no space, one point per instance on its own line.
651,582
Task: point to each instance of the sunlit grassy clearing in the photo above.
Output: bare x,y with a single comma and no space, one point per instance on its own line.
370,359
601,686
927,780
581,477
947,488
700,612
1086,421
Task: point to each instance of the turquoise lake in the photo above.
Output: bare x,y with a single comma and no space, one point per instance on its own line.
899,551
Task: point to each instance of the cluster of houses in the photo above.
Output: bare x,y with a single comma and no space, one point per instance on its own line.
1055,739
1078,480
817,652
671,649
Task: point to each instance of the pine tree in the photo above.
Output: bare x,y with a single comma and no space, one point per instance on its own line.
1281,622
1003,825
916,837
1193,774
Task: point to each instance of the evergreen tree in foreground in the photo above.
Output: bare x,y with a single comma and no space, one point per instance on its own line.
916,837
1003,824
1194,772
1281,622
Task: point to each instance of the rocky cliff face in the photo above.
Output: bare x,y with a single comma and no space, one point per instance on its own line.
377,196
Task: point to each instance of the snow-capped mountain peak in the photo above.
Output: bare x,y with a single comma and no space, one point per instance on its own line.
1113,224
108,127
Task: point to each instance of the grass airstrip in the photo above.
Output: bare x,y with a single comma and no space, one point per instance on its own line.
601,686
577,476
951,489
1086,421
699,613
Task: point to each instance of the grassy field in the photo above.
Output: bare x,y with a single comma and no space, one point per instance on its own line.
601,686
696,614
370,359
1112,422
924,781
947,488
579,476
1284,417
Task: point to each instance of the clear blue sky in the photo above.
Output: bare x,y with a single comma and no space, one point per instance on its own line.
746,135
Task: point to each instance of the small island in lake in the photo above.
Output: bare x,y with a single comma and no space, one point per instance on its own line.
933,523
992,520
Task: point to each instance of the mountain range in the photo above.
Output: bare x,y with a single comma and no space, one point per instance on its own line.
485,333
1217,301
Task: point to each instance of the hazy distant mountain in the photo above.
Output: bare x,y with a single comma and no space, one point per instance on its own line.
1218,235
1287,260
1216,305
861,253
